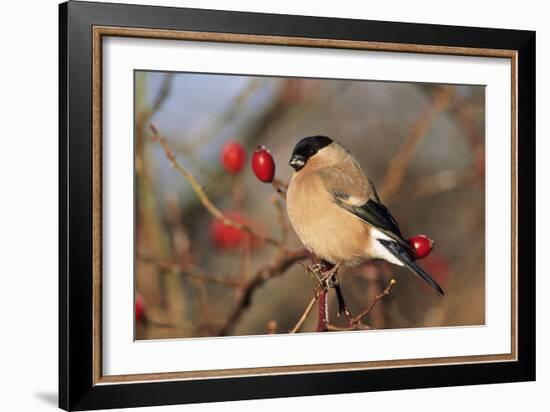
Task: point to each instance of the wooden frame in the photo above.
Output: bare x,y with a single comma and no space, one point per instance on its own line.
82,26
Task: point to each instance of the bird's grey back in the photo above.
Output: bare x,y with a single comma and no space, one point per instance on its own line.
349,177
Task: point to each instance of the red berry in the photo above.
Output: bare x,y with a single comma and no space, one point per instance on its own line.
233,157
422,246
227,237
140,309
263,164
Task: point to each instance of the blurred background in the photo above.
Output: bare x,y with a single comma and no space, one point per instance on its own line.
422,144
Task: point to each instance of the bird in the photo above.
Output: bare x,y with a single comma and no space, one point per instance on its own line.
337,214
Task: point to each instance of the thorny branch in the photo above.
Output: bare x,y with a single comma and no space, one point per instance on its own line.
355,322
322,320
277,267
246,289
274,269
368,310
201,194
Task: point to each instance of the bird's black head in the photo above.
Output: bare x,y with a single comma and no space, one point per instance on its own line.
306,148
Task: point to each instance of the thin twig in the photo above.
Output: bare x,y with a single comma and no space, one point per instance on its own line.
472,133
441,182
306,313
356,326
282,220
158,324
384,293
163,93
189,271
419,129
280,187
220,123
355,323
274,269
246,258
201,194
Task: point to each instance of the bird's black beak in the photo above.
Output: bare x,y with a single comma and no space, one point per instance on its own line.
297,162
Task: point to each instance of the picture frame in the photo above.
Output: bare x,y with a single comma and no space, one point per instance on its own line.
83,27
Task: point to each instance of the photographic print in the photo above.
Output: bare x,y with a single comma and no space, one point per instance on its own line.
256,206
281,205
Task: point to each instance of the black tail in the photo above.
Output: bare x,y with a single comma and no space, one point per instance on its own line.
396,250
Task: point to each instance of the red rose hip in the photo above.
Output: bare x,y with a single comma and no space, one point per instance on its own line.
422,246
263,164
227,237
233,157
140,309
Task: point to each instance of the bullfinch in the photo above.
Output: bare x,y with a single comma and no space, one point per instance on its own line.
337,214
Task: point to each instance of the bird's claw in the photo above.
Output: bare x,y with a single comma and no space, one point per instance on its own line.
317,271
331,281
330,277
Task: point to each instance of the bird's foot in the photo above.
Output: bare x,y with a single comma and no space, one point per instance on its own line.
316,270
323,272
329,278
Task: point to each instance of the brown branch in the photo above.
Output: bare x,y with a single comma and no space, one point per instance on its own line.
322,300
145,115
441,182
474,136
355,323
282,220
306,313
278,267
189,271
356,326
201,194
163,93
233,110
384,293
280,187
158,324
419,129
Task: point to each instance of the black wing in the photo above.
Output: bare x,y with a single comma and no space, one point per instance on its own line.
376,215
397,251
